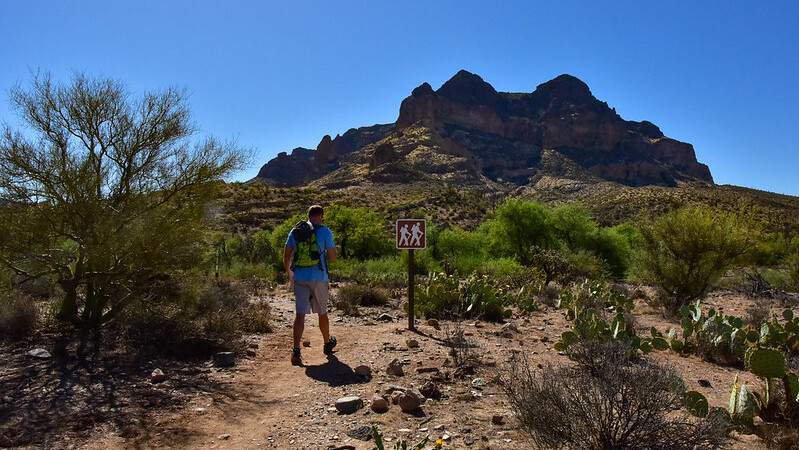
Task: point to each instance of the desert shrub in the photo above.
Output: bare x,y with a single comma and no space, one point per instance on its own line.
464,352
770,249
194,317
583,264
612,247
349,297
263,251
756,313
592,294
460,242
687,249
528,283
453,264
387,271
498,268
554,264
603,403
19,315
550,295
477,296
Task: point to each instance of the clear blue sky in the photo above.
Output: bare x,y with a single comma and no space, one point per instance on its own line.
722,75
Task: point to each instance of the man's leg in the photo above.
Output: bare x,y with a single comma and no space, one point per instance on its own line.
324,327
299,327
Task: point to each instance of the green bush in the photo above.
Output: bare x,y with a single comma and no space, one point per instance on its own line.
460,242
349,297
19,315
477,296
358,232
553,264
388,271
573,225
459,264
499,268
686,250
518,225
613,248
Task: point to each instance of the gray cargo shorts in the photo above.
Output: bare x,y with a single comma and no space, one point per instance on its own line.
311,296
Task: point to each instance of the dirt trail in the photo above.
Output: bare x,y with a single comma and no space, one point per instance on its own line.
265,402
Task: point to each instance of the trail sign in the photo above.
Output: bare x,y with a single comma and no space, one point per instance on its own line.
411,234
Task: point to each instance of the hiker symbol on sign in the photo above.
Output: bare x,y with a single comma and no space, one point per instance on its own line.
411,234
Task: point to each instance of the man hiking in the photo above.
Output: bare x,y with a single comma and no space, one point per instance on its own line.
309,248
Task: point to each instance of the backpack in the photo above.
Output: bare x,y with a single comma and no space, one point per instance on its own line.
306,254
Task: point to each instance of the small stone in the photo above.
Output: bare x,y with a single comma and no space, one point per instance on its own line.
363,433
430,390
385,317
252,353
412,343
306,343
39,353
497,419
363,371
434,323
379,404
224,437
224,359
478,383
157,376
410,400
705,383
427,369
468,440
509,328
348,405
395,368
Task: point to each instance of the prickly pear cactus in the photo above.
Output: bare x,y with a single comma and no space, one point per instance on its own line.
696,404
766,363
743,404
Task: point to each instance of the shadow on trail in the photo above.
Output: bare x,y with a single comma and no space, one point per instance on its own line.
334,373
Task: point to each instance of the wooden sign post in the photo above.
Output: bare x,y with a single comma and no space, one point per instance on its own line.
411,235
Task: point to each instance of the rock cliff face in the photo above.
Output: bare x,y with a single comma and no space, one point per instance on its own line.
502,136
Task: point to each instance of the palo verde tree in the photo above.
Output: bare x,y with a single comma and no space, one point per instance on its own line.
102,190
520,224
687,249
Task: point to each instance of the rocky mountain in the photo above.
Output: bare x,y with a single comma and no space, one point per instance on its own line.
468,134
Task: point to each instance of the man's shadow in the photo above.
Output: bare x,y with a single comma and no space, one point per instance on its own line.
334,373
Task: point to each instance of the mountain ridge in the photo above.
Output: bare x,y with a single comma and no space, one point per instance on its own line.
469,133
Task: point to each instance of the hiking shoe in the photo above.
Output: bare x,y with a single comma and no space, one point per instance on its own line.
328,349
296,359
